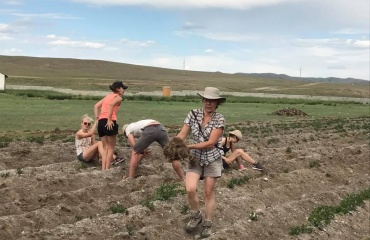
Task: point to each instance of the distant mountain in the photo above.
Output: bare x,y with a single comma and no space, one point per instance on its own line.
304,79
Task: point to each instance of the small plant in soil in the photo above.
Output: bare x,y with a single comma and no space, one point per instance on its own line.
297,230
288,150
78,218
118,208
237,181
5,175
313,164
185,209
163,193
253,216
4,141
130,230
36,139
19,171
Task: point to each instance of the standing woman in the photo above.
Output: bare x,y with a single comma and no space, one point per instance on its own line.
206,126
107,126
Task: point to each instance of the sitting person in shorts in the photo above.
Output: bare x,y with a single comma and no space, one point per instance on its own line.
86,147
228,143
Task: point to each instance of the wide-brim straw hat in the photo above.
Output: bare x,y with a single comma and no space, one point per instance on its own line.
212,93
237,134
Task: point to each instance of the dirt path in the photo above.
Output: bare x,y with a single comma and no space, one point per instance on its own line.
188,92
50,195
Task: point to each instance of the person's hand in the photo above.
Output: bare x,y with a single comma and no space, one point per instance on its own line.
109,125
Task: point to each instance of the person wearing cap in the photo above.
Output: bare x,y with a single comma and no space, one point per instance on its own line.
206,126
228,143
107,125
140,135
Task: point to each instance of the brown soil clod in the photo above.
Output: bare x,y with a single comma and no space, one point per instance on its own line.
290,112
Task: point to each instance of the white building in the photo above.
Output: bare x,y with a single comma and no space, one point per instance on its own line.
2,81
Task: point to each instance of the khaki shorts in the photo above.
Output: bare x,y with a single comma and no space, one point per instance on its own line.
213,169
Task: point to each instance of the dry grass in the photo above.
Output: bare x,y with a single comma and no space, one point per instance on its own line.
97,75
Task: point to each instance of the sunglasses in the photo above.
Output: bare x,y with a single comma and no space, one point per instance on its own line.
86,123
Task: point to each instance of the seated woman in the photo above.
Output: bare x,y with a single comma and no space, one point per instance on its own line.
228,144
86,147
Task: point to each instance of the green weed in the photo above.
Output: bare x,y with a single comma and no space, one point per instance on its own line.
322,215
19,171
313,163
5,174
130,230
4,141
36,139
253,216
288,150
297,230
163,193
118,208
185,209
237,181
78,218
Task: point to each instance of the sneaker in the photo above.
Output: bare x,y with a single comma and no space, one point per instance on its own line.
195,220
117,160
241,167
207,229
257,166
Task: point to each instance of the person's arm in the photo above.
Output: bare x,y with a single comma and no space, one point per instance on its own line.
96,109
115,102
232,146
80,134
183,132
213,138
93,130
131,140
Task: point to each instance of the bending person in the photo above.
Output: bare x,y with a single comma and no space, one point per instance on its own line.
228,144
141,134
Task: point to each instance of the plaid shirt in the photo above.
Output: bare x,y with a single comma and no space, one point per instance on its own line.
194,121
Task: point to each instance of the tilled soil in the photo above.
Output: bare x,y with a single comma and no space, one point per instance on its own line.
45,193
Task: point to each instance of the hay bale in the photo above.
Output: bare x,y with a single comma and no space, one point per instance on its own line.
176,150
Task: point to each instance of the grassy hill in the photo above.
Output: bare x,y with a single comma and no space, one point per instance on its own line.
97,75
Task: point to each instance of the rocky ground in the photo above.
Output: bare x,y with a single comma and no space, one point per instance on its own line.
45,193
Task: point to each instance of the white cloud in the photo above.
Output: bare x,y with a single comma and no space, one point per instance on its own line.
136,44
13,2
45,15
350,31
217,36
209,50
64,41
239,4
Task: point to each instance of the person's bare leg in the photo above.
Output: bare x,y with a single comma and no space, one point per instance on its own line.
134,162
111,140
176,165
191,184
209,197
239,152
91,152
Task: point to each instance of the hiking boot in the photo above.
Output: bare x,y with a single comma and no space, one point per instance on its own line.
241,167
257,166
207,229
195,220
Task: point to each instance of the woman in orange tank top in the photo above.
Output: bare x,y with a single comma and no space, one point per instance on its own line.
107,125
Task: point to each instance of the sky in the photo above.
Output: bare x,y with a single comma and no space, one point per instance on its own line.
307,38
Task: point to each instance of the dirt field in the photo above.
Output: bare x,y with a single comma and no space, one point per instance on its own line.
45,193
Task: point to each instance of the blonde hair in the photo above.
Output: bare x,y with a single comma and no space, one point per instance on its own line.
86,116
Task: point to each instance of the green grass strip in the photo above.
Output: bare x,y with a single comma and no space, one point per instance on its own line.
322,215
